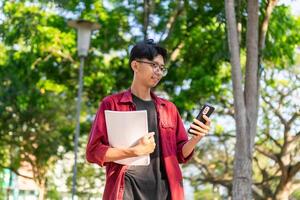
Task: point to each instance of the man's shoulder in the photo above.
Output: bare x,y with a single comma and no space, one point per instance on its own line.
166,102
114,97
117,97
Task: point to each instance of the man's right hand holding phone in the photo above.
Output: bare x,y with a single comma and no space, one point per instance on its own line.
198,129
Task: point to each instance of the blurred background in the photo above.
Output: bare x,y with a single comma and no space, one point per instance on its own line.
39,82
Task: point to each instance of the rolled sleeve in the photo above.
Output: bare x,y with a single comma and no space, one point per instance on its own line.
180,157
98,143
181,139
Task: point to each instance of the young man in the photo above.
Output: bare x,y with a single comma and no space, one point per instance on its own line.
167,141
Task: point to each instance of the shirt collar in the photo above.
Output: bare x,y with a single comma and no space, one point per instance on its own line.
127,98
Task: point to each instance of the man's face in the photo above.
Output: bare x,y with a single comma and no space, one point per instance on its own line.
149,72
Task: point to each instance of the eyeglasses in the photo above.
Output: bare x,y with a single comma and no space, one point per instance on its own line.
156,67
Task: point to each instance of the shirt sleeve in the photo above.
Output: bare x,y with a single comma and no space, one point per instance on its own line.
181,139
98,143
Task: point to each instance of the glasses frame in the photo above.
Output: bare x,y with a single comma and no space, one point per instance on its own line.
155,66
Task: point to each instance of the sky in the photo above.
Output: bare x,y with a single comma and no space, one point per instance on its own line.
295,5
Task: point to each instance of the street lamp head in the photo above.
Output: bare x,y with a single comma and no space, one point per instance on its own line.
84,29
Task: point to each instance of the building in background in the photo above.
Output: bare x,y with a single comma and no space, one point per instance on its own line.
14,187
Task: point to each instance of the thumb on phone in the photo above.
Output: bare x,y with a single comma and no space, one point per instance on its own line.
208,121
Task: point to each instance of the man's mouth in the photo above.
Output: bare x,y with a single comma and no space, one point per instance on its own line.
155,78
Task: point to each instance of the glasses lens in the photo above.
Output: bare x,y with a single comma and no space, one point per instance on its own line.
156,67
162,70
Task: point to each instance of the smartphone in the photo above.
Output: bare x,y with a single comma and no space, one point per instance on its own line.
207,110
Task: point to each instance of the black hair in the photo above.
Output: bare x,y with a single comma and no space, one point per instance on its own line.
147,49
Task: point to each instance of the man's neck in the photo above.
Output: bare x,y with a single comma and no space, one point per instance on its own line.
140,91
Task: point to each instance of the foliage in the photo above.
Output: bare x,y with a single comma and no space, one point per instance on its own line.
35,115
276,145
39,69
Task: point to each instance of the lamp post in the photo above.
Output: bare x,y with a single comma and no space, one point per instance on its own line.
84,29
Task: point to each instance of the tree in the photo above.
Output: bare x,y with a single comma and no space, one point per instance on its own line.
38,84
37,63
276,159
279,141
210,173
34,118
245,100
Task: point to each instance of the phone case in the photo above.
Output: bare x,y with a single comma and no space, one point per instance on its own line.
207,110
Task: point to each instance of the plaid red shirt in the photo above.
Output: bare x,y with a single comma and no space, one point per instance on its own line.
172,138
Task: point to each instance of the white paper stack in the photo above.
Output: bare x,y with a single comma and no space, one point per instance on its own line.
124,129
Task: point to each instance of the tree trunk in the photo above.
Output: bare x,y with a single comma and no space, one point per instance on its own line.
284,193
146,18
251,94
251,82
42,189
241,176
245,104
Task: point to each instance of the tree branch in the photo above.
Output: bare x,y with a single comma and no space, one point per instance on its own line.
201,164
266,153
276,111
295,186
265,23
15,171
233,43
293,118
224,182
172,20
294,169
146,18
267,131
296,138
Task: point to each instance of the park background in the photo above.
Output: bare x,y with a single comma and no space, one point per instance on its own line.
39,82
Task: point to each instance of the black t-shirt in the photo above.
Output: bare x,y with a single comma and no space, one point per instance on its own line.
147,182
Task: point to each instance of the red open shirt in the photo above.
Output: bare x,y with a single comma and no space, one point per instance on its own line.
172,135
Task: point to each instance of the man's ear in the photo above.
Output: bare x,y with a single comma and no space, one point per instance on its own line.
134,66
